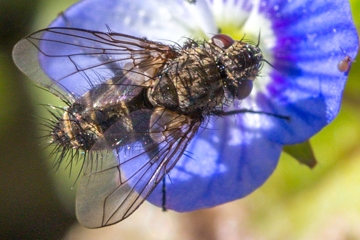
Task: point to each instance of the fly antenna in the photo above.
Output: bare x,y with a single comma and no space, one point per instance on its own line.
258,43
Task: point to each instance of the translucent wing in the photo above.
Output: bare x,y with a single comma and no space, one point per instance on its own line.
111,190
76,60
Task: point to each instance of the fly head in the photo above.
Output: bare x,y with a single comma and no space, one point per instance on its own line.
239,64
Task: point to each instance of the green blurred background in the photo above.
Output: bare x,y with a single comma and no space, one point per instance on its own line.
295,203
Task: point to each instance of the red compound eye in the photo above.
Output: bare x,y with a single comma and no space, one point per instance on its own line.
222,41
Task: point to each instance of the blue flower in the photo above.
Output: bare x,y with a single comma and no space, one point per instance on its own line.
232,156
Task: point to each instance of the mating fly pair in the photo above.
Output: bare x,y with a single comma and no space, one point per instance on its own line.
133,105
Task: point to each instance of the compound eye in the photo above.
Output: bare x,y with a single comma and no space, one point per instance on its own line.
222,41
244,89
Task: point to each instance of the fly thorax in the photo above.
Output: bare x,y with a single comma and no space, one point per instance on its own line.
190,83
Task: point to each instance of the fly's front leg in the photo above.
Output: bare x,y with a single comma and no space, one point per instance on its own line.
234,112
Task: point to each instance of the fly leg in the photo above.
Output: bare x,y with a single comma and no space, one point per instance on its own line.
234,112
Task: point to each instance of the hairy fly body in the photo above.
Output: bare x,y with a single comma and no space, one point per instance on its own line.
142,100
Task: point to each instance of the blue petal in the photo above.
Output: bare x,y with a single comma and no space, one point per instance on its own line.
227,160
312,37
156,20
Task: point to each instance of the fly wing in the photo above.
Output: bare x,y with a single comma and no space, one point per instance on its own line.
110,192
77,60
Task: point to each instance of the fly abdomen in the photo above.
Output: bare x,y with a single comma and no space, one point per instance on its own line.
74,131
82,127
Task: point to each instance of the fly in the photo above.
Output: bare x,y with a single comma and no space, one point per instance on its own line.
132,104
